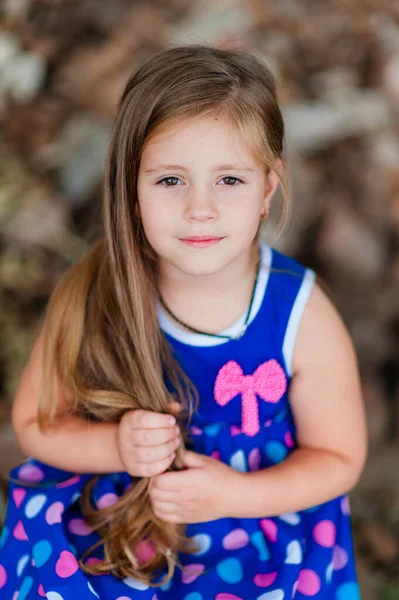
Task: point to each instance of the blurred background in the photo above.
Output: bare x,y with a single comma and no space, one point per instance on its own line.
63,65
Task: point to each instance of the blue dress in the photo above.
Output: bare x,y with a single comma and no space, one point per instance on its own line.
244,419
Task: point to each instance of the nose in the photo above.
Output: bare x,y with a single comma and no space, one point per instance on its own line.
200,205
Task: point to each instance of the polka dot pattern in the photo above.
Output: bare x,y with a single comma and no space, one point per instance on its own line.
66,565
348,591
26,587
191,572
54,513
3,576
230,570
31,473
41,552
203,542
35,505
275,451
324,533
309,582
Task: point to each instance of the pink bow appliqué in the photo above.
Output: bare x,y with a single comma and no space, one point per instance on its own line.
268,381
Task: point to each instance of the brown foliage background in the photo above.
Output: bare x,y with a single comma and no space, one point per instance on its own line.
63,65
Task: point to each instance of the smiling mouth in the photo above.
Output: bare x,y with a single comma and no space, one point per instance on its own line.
201,241
201,238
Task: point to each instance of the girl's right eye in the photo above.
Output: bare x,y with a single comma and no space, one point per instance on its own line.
167,179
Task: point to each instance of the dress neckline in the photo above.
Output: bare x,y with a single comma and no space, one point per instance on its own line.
199,339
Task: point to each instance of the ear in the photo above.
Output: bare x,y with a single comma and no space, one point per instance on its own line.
272,182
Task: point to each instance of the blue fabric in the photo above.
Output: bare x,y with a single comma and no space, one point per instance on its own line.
307,554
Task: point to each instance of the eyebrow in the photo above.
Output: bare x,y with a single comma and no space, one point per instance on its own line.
181,168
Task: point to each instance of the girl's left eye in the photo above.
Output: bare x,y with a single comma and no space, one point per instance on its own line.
235,179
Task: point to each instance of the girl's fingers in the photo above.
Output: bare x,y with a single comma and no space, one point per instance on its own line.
156,453
155,437
155,468
146,419
167,508
159,496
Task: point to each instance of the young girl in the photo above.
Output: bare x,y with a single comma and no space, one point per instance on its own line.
191,408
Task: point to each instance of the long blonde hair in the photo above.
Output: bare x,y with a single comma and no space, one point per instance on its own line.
102,337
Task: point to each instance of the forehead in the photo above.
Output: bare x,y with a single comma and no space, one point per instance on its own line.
212,133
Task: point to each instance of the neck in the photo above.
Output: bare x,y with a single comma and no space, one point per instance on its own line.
213,302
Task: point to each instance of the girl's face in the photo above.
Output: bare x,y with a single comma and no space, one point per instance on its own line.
200,179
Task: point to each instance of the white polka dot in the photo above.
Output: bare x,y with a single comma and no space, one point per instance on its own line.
54,596
35,505
275,595
91,589
22,564
135,584
237,461
294,553
290,518
203,541
329,572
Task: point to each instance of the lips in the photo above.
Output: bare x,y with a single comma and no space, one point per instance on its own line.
201,241
201,238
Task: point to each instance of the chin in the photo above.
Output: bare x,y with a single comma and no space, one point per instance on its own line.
197,265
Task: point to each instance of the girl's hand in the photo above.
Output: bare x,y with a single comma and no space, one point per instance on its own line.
146,441
203,492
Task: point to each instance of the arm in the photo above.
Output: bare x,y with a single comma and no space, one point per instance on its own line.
75,445
326,402
142,443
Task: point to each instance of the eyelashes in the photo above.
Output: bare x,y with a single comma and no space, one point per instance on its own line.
236,179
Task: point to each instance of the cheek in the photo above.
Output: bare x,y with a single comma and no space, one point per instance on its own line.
156,219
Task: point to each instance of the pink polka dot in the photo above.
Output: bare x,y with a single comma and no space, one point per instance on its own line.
145,550
41,591
324,533
345,506
191,572
79,527
227,596
268,423
3,576
294,588
254,459
238,538
66,565
216,454
107,500
289,442
15,596
19,532
234,430
54,512
195,430
93,560
309,582
68,482
269,528
30,473
18,495
265,579
340,558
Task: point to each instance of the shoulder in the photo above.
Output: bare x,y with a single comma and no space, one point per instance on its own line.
322,335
